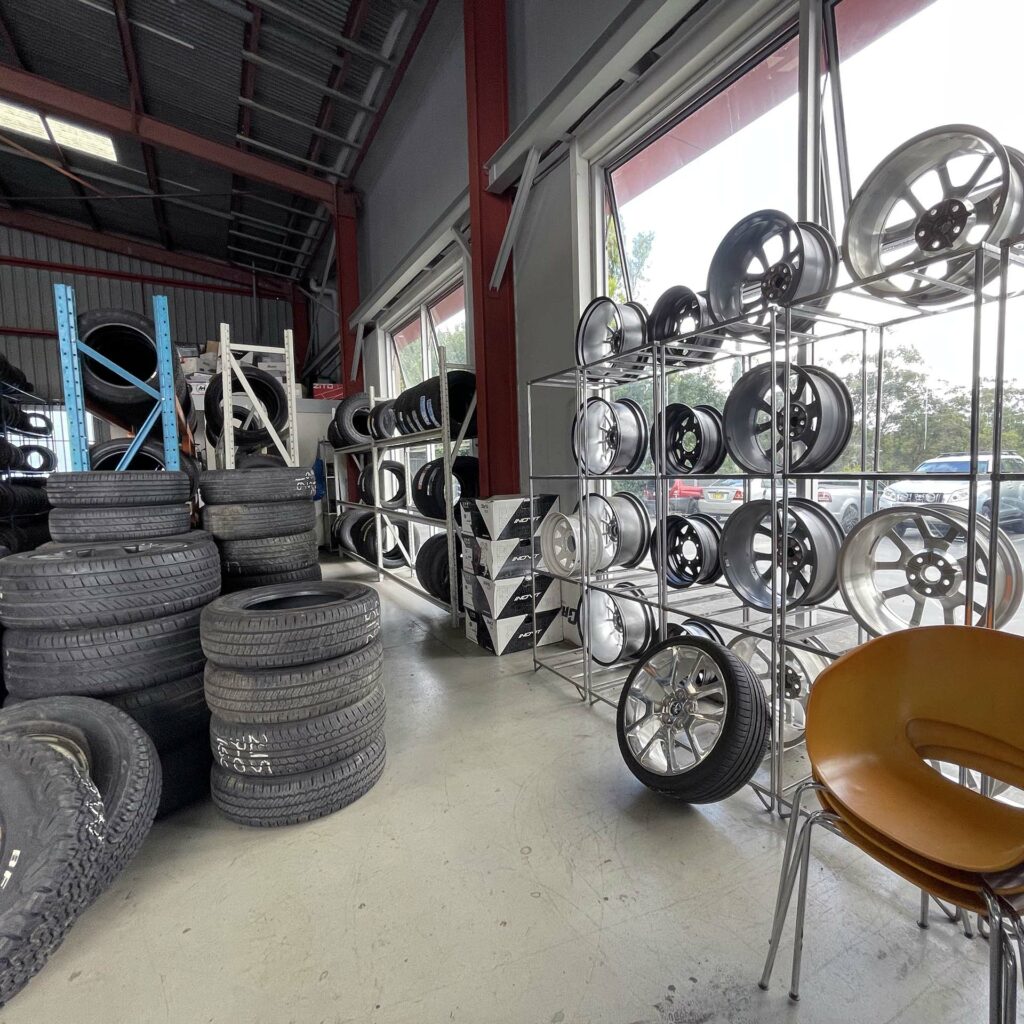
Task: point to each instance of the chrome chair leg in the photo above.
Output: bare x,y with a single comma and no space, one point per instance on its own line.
801,908
996,980
922,918
1009,981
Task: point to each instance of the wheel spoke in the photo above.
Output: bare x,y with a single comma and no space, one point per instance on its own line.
918,613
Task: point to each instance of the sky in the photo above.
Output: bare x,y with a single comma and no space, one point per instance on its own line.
912,79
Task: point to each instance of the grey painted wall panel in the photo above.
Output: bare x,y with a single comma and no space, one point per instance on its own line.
26,300
419,162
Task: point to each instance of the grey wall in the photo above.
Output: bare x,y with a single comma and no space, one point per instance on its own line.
545,39
419,162
26,300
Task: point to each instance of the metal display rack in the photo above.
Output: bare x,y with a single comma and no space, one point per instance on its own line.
165,403
828,629
231,370
384,516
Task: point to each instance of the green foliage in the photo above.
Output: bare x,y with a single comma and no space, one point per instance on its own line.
639,254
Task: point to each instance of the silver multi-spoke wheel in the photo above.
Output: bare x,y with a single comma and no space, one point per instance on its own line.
620,626
941,192
801,669
607,331
610,436
909,566
675,710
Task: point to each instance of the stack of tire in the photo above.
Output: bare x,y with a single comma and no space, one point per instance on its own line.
23,515
80,783
264,523
432,567
294,683
428,490
419,407
116,615
250,435
352,421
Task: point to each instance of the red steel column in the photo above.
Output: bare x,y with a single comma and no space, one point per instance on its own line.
494,313
346,259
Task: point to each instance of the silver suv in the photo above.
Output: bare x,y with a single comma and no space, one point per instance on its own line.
956,492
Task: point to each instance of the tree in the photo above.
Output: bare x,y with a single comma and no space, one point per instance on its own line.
639,254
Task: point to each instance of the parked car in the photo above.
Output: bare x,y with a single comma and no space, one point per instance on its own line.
721,498
957,492
684,497
841,498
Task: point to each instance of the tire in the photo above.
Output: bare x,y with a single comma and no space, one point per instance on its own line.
105,457
348,526
232,584
364,537
69,587
273,697
127,489
255,460
102,662
291,799
735,757
74,525
186,773
333,437
296,747
428,491
382,421
22,500
170,714
432,567
10,455
47,458
268,392
34,424
264,484
367,490
51,833
258,520
123,766
130,341
294,624
268,554
352,417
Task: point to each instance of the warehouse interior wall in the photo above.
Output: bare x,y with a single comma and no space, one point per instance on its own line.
26,301
419,161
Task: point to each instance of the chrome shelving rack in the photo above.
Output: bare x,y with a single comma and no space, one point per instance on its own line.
383,516
827,629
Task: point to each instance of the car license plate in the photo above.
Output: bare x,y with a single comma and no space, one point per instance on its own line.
717,495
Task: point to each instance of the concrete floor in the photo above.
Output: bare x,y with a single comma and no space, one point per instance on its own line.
507,868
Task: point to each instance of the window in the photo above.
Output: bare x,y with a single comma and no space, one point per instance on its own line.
64,133
414,345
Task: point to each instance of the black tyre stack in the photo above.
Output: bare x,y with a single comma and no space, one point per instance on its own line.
118,619
264,523
293,679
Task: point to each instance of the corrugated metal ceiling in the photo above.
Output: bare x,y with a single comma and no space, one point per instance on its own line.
191,60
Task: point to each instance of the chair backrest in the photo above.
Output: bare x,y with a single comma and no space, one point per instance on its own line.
948,693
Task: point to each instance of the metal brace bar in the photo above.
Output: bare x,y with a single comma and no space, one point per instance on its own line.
289,383
227,435
167,406
71,372
139,439
460,241
236,368
86,350
515,218
357,354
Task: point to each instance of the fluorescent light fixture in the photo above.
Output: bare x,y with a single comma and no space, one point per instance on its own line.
65,134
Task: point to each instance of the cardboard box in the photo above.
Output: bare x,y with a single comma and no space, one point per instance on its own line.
570,601
505,516
329,391
506,598
499,559
507,636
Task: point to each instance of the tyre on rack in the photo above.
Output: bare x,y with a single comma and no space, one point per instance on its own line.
352,418
36,458
428,489
289,625
346,527
53,833
432,569
106,455
22,499
395,538
382,421
269,394
692,720
386,468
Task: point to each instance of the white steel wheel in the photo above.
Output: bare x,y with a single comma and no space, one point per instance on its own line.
561,542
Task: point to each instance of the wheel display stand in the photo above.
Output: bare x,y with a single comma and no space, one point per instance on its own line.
384,516
164,408
231,370
824,630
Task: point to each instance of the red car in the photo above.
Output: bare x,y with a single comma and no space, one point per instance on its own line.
683,496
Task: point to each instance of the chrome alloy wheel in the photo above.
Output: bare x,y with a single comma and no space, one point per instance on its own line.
802,668
908,566
674,709
620,626
610,436
942,191
608,330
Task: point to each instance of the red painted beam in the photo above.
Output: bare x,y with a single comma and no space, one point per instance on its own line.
28,332
42,94
204,266
494,313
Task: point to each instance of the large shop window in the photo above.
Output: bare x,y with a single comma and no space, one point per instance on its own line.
448,318
408,357
441,321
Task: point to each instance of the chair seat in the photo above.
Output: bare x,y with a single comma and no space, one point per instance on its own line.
918,808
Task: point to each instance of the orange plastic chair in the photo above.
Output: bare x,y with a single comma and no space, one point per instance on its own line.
874,719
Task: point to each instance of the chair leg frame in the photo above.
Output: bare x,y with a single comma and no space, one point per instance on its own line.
1006,923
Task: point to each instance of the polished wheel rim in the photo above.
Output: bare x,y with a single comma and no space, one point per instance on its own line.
620,627
693,627
675,709
768,259
612,437
809,550
561,542
908,566
607,331
634,528
605,528
802,668
940,192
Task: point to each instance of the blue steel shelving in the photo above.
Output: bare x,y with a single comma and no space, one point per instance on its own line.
71,349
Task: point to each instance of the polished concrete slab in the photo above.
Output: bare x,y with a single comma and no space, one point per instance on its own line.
507,868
